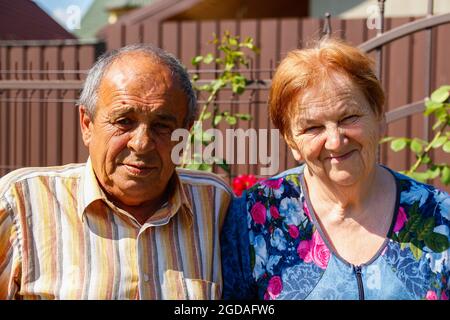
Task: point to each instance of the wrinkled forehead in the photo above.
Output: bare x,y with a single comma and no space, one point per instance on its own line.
137,70
335,92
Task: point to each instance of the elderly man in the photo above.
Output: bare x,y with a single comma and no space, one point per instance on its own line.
126,224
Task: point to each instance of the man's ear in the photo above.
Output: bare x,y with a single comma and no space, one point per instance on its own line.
86,125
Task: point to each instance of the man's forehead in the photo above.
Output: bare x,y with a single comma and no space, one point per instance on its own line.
136,69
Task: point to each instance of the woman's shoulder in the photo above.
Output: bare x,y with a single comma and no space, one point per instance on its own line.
423,215
284,184
424,197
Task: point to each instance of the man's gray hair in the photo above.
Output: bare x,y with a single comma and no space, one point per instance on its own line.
89,94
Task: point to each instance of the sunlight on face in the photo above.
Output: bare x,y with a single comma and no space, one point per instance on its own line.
336,132
139,106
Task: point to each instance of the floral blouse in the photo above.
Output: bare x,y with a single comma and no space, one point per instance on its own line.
273,247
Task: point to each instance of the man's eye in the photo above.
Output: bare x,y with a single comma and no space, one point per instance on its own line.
124,122
162,128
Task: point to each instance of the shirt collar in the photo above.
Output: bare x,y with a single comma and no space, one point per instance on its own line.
91,192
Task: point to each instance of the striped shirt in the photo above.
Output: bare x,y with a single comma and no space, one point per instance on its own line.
60,238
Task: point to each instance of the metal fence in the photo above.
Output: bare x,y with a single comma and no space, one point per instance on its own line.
40,81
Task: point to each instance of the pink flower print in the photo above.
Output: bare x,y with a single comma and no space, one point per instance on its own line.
293,231
320,252
258,213
304,250
274,212
401,219
306,210
444,295
431,295
275,287
274,184
314,250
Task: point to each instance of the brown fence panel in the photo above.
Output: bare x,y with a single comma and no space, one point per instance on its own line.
38,116
45,130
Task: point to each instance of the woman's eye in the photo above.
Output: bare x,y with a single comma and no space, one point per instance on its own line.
311,129
349,119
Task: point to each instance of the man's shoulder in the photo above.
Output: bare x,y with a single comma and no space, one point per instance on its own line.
72,170
202,178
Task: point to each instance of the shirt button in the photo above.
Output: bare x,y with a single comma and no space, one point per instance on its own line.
146,277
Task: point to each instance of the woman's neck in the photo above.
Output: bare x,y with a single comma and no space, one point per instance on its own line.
345,200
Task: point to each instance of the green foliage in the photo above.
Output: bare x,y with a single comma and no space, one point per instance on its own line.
437,105
418,232
233,54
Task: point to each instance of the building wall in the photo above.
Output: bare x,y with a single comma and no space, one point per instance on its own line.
350,9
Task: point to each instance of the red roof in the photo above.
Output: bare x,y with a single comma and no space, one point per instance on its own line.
24,20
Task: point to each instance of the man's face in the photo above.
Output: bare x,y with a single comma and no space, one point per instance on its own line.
129,140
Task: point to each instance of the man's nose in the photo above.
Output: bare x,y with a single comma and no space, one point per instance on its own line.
142,140
334,138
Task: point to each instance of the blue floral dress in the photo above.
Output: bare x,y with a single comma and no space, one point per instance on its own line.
273,247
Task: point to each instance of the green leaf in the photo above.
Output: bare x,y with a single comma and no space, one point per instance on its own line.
420,176
193,166
206,115
439,142
433,172
416,146
432,106
196,60
445,175
425,159
231,120
413,223
437,124
426,228
244,116
294,179
233,41
217,119
217,84
441,94
399,144
206,137
208,58
386,139
205,167
446,147
437,242
416,251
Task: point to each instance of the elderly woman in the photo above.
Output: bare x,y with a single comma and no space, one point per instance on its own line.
340,226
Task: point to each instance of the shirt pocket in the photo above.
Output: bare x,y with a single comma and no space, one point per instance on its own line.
177,287
198,289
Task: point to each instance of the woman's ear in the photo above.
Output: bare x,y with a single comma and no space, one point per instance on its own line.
382,126
296,154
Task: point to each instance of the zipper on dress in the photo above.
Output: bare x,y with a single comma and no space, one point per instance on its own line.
358,273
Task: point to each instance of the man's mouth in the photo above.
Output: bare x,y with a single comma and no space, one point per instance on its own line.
138,169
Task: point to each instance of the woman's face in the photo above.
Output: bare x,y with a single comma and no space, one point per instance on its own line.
336,132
